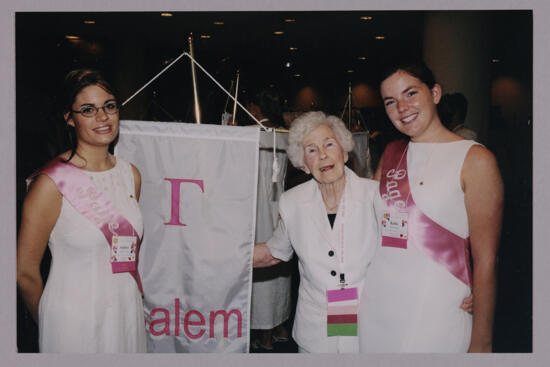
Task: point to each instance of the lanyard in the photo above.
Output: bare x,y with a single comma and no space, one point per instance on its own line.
339,251
341,239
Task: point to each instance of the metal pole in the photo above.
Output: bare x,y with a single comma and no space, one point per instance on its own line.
229,94
235,100
349,111
194,77
227,100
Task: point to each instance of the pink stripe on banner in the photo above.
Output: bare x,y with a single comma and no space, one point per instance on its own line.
342,310
394,242
342,319
335,295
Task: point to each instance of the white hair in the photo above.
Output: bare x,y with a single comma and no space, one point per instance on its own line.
308,122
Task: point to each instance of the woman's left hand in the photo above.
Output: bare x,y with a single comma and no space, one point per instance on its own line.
468,304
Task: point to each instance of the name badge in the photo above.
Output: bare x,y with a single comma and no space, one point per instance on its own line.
123,253
342,312
394,229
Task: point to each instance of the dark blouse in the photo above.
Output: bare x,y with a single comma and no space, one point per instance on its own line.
331,219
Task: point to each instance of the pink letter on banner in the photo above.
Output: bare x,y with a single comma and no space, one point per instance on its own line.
175,202
226,322
165,320
177,316
187,322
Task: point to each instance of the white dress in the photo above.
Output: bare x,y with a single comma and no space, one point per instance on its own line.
85,308
411,303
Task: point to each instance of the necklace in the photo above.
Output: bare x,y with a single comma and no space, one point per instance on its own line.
425,166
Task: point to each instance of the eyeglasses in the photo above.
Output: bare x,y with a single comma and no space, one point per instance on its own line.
109,108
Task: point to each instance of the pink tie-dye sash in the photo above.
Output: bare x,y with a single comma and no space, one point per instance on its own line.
441,245
88,200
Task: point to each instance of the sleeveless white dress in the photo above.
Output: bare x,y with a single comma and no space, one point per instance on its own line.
85,308
409,302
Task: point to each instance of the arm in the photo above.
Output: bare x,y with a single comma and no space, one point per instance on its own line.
40,211
263,257
483,196
279,243
137,181
378,172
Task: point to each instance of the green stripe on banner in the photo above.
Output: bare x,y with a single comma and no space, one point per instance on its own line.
342,329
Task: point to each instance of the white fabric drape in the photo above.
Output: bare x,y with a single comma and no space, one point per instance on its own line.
196,256
271,287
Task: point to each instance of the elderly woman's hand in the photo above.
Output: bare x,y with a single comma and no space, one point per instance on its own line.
263,257
468,304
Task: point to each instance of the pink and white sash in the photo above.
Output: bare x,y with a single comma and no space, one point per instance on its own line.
88,200
441,245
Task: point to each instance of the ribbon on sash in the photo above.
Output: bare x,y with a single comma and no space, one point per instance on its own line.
440,244
88,200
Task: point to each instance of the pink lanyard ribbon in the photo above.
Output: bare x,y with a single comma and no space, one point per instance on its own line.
89,201
441,245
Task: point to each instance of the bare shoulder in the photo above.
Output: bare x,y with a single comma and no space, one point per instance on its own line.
137,181
480,165
43,193
43,185
479,157
135,171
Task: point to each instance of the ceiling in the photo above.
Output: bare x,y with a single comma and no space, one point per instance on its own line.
328,47
332,49
331,41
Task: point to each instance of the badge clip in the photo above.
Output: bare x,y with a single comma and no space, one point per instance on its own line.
343,283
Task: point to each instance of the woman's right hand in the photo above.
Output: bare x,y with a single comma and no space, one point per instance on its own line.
40,211
263,257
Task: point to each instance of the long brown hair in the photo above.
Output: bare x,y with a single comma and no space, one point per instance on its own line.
75,81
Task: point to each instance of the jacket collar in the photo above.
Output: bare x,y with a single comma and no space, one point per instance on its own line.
317,211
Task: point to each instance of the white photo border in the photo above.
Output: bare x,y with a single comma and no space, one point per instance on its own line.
541,150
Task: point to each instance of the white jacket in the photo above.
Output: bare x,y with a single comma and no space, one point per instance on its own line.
304,228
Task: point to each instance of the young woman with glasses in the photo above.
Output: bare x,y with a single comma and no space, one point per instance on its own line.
83,205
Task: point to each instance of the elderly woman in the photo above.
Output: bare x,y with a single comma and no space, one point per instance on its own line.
329,222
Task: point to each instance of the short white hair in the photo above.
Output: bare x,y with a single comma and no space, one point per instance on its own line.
308,122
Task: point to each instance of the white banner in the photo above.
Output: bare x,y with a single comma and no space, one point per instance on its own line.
198,200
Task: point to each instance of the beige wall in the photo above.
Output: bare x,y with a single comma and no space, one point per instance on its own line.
456,48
